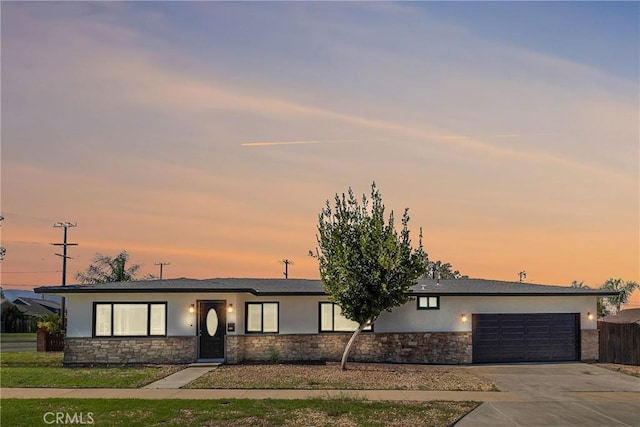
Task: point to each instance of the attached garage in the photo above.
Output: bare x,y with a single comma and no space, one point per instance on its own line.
539,337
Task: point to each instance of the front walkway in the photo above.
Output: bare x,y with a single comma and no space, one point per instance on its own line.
183,377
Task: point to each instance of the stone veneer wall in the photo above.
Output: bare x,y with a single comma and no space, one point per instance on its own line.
430,347
90,351
589,344
426,347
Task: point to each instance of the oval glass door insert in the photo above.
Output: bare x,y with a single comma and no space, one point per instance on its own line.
212,322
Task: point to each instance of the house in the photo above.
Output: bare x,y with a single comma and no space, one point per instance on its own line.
629,315
22,314
234,320
36,307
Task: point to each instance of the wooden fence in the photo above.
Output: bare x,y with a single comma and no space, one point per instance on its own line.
619,343
49,341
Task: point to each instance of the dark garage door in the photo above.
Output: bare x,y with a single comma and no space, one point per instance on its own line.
500,338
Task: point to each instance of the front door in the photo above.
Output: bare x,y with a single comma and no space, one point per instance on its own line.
212,325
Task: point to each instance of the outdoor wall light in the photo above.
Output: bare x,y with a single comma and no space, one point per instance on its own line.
230,308
192,308
589,315
463,317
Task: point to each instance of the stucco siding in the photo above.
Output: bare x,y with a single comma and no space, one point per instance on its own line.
449,317
299,314
180,322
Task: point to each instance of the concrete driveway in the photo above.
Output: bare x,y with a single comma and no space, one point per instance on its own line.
563,394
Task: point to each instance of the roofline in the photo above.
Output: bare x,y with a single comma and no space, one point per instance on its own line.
89,290
515,294
71,290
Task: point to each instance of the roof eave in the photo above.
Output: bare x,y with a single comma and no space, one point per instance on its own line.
508,294
97,290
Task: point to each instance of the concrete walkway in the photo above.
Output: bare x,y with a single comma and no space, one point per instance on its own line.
183,377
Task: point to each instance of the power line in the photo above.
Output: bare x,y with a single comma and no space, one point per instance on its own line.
31,272
24,242
4,285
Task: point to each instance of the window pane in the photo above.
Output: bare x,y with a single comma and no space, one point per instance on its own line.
270,317
158,315
254,317
326,316
103,320
130,319
341,323
423,302
433,302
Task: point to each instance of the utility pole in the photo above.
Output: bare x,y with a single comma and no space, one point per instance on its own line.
523,275
161,264
286,263
64,244
3,251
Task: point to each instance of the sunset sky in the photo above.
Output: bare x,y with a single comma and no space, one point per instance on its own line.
209,135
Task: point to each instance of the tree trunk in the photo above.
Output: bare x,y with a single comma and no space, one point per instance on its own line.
347,349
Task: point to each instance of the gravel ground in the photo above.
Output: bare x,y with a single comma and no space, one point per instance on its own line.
358,376
625,369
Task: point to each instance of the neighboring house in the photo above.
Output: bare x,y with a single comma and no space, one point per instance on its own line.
630,315
36,307
235,320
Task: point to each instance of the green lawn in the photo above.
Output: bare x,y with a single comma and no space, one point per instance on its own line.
233,412
16,337
44,369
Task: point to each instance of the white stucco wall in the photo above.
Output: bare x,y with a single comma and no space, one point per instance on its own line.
449,317
179,321
299,314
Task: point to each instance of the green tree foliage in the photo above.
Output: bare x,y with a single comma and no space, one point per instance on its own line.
580,284
443,271
611,305
625,290
50,322
12,318
105,269
366,266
